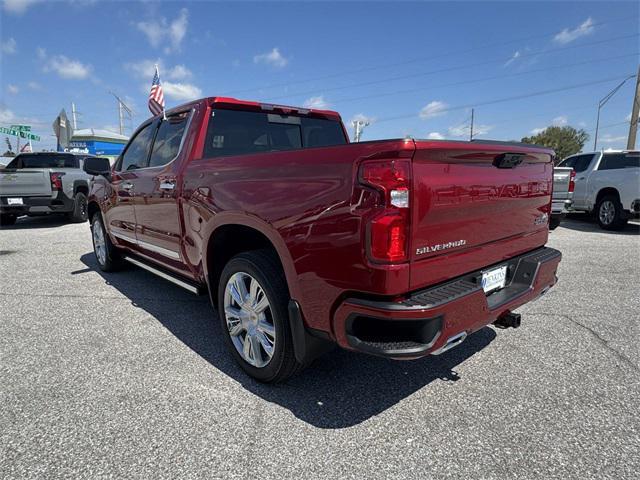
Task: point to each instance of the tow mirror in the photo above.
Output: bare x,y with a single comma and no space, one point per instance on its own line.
97,166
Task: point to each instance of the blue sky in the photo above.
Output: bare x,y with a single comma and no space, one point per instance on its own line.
410,68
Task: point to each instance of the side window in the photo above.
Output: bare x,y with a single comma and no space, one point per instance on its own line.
582,163
168,139
138,150
612,161
568,162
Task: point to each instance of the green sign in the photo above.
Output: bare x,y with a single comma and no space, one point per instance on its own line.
20,133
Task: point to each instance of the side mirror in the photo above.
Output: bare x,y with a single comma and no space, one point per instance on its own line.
97,166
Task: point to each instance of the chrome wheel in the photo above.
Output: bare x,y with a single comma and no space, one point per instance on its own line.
607,212
249,319
99,246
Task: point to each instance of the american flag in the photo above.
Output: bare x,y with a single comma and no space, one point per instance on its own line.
156,97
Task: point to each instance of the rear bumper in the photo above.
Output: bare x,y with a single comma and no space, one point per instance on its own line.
560,206
37,205
428,320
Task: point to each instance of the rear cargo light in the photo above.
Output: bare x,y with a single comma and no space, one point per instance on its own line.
388,231
572,181
56,180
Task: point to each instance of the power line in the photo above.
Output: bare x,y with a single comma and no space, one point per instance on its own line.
507,99
483,79
418,59
448,69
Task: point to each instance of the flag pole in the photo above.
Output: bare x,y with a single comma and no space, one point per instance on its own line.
164,112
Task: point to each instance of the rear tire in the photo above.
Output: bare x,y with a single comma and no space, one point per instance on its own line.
107,255
254,316
7,219
80,209
609,213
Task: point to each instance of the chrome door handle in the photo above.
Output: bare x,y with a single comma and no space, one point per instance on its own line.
167,185
126,185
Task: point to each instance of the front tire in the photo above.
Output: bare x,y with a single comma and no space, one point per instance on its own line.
252,306
609,213
107,255
80,209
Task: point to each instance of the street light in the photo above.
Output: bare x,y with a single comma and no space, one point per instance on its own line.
601,103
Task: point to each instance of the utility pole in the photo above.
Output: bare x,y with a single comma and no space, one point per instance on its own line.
73,116
358,126
601,104
471,134
635,111
122,109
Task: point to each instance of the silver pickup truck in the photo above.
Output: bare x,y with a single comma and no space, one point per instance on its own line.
563,186
44,183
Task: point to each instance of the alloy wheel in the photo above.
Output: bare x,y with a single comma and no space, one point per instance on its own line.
607,212
99,242
249,319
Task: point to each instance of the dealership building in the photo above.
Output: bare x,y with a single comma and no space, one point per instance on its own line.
101,143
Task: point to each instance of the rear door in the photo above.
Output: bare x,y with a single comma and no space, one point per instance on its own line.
468,213
157,194
581,165
120,216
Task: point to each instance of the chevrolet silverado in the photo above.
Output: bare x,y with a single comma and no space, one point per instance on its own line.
302,240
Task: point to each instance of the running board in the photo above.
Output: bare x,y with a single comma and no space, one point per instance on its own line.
193,288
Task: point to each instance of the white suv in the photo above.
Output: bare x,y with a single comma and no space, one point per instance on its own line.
608,185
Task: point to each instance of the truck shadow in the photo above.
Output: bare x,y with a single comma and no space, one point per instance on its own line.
44,221
584,223
339,390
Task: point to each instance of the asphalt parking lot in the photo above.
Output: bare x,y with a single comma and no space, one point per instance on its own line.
125,376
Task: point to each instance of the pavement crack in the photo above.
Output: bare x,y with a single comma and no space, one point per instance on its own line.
602,341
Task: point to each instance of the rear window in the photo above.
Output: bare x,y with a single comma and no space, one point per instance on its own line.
57,160
615,161
579,163
234,132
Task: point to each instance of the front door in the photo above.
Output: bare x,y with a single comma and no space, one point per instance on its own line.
157,196
120,216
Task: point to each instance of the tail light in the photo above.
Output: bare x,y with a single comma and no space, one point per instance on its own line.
56,180
388,230
572,181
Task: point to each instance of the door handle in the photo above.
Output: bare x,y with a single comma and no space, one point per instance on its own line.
126,185
167,184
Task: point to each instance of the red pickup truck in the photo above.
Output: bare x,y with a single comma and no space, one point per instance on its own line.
302,240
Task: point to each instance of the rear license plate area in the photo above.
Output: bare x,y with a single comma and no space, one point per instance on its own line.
494,279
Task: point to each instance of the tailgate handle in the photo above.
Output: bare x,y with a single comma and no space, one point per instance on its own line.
508,160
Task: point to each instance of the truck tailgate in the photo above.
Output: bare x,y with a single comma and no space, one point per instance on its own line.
561,179
468,213
24,183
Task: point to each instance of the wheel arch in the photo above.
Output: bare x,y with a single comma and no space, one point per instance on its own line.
242,234
80,186
606,191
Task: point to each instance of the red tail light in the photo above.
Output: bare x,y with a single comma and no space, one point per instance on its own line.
572,181
56,180
388,231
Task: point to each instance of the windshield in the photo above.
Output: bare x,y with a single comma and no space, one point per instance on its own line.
54,160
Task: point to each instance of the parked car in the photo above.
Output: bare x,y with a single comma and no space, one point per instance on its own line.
398,248
607,185
44,183
563,187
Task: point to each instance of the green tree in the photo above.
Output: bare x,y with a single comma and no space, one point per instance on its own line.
565,141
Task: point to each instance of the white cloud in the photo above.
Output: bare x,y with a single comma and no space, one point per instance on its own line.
9,47
68,68
536,131
433,109
41,53
464,130
513,58
34,86
273,58
145,69
316,102
181,91
435,136
608,138
569,35
361,117
12,89
17,6
559,121
159,30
